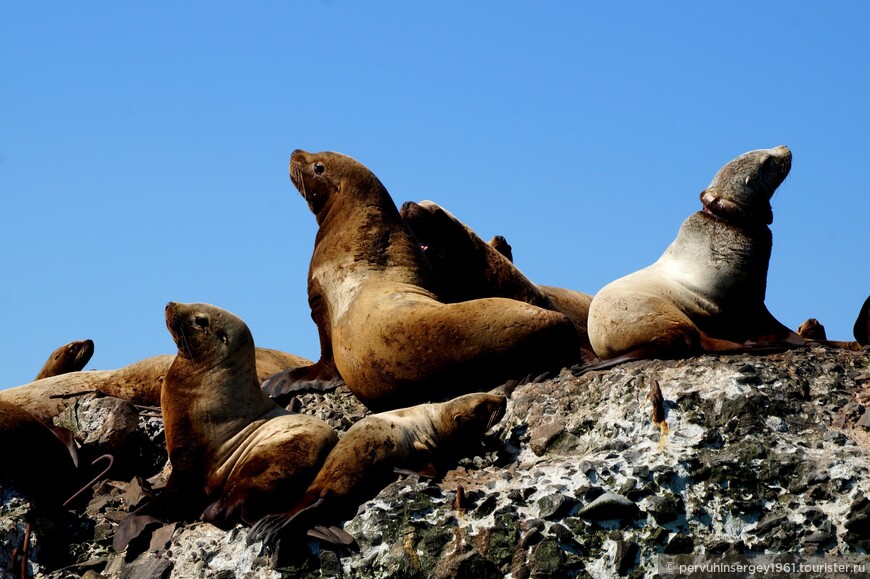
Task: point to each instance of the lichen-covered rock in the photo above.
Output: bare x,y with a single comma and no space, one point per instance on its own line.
761,454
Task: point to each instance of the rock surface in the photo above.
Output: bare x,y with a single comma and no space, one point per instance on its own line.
761,454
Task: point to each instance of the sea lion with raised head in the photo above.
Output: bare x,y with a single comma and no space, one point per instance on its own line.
374,298
139,383
70,357
469,268
706,292
228,443
424,437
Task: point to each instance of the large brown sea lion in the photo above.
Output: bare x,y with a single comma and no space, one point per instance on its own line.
373,296
138,383
228,443
367,456
469,268
70,357
706,292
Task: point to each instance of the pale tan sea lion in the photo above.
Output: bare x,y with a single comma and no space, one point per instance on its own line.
423,437
228,443
469,268
70,357
138,383
706,292
372,295
38,463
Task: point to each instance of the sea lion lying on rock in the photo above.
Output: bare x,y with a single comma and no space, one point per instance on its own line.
469,268
428,436
139,383
814,331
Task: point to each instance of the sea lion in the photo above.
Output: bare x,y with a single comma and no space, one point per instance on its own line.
706,292
469,268
812,330
228,443
70,357
501,245
423,437
139,383
36,460
373,296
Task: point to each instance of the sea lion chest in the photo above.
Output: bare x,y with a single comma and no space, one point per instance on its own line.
716,264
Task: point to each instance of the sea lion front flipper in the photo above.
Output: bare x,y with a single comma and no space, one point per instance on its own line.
314,378
131,527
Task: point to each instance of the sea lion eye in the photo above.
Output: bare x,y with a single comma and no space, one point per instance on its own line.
201,321
319,168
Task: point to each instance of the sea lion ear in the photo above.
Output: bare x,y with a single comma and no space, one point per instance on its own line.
747,180
457,418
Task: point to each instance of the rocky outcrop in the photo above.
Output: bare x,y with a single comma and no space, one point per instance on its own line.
760,454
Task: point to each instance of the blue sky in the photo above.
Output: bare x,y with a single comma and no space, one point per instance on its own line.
144,148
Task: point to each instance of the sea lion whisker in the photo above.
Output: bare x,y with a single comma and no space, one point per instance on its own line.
184,340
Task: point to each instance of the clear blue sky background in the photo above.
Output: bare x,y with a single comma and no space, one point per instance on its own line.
144,148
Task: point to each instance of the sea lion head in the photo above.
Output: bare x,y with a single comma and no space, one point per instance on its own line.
741,190
207,334
812,329
74,355
434,229
319,177
468,417
79,352
501,245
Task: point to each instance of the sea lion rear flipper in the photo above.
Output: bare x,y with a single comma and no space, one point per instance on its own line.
267,529
333,535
